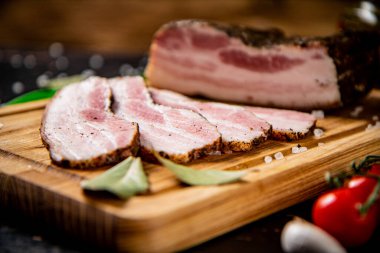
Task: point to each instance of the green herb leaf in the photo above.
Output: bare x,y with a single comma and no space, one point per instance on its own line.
32,96
123,180
200,177
48,92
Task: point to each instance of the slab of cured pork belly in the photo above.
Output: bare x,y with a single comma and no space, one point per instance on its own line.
80,131
236,122
241,130
180,135
260,67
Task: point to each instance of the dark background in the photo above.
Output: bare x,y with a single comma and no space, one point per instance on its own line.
121,31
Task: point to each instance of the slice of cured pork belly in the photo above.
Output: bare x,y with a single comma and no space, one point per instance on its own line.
241,130
287,125
237,124
265,68
180,135
80,131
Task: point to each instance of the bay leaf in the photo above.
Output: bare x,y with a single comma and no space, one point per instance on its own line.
200,177
124,180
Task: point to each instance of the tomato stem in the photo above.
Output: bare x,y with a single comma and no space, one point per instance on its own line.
366,163
372,198
336,181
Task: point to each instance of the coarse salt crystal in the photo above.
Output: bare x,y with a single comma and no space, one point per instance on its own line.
369,127
359,108
375,118
278,156
356,111
318,132
354,114
303,149
319,114
295,150
374,126
321,144
268,159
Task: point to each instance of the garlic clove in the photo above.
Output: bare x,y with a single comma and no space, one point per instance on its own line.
301,236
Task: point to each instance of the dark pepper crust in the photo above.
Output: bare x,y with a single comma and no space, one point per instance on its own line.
290,135
106,159
234,146
248,35
147,155
238,146
355,59
355,53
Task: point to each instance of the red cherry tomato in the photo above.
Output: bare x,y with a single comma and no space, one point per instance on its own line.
337,213
375,169
362,186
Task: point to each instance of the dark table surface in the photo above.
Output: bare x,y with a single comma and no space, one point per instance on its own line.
22,71
18,234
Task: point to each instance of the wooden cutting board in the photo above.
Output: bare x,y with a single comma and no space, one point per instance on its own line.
173,216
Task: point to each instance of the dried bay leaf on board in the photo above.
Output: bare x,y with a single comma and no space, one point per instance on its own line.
200,177
124,180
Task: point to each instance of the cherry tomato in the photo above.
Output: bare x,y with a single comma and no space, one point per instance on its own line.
362,186
337,213
375,169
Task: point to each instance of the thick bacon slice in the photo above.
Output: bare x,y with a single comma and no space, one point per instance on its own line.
80,131
181,135
240,64
287,125
241,130
237,124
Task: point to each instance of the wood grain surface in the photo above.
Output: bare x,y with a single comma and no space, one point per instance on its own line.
172,216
